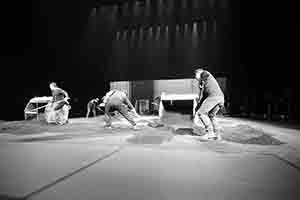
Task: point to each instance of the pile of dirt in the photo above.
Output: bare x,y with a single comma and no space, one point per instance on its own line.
186,131
155,123
178,124
243,134
246,134
86,126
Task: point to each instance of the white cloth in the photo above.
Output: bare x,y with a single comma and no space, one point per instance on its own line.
60,116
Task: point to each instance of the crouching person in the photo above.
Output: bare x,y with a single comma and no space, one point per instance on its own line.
57,111
117,100
211,99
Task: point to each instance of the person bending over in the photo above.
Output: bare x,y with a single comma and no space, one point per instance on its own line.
211,99
91,106
118,100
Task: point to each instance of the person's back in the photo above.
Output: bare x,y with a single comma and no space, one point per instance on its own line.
93,102
116,98
211,86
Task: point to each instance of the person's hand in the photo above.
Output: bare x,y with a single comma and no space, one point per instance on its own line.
66,100
201,84
135,113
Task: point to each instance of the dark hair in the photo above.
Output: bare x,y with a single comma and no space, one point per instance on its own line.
53,83
199,69
125,91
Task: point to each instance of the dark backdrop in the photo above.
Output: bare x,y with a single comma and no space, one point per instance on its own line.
44,41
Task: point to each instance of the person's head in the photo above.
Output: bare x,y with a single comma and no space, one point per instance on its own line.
198,73
125,92
52,85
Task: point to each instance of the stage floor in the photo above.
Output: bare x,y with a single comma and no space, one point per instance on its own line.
83,160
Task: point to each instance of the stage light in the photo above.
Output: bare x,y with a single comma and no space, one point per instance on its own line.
186,29
157,35
124,35
118,35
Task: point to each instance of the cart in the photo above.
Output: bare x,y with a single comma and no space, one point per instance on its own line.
35,107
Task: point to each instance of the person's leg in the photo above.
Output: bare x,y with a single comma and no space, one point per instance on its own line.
62,115
124,111
59,105
52,114
212,116
88,111
206,107
67,111
107,116
94,112
203,115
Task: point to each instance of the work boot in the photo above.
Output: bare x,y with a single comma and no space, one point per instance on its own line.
218,134
210,135
219,137
135,128
108,126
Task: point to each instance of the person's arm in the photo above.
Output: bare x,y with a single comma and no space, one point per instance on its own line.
127,102
132,108
66,95
53,97
203,78
201,88
107,116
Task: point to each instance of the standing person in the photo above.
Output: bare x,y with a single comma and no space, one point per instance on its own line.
118,100
211,99
58,110
91,106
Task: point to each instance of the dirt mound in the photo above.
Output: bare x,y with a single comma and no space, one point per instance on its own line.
155,124
246,134
243,134
185,131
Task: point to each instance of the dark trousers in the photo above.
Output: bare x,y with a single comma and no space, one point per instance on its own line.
121,109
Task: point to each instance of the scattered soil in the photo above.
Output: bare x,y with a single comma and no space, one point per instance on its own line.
246,134
180,125
243,134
